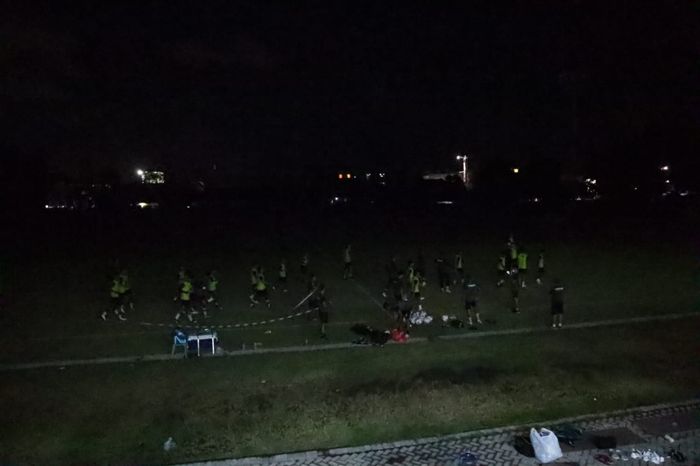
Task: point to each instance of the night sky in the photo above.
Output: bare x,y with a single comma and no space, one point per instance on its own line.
89,87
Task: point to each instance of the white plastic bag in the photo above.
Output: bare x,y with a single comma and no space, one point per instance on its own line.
545,444
169,444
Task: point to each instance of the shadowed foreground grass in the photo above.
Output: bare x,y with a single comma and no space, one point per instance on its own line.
272,403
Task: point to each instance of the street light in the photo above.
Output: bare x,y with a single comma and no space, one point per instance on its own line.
516,170
141,174
664,168
463,158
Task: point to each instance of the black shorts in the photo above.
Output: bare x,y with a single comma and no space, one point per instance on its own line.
348,265
115,301
469,305
185,303
502,273
261,293
540,272
323,316
522,271
282,279
557,308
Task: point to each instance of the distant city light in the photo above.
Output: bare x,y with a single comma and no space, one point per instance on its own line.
143,205
516,170
340,176
664,168
348,176
667,181
151,176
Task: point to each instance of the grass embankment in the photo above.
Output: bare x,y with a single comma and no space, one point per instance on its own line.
271,403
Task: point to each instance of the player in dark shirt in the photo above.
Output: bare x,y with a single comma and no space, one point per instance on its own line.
471,300
557,295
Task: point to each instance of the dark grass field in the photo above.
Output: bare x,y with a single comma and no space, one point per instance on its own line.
263,404
59,272
614,264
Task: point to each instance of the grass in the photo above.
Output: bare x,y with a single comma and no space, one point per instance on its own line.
58,285
270,403
58,291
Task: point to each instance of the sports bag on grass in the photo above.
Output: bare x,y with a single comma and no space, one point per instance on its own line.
605,442
523,445
545,444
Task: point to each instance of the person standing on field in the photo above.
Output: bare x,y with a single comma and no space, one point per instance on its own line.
416,284
253,278
443,274
212,288
115,299
282,276
522,266
185,298
540,267
127,297
347,263
323,305
513,251
312,284
304,267
471,300
260,290
557,295
515,292
459,268
410,272
501,269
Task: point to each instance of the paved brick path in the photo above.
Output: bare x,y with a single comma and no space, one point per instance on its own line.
494,446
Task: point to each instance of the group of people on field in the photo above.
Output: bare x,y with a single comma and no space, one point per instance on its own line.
196,298
402,284
193,298
513,267
402,291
